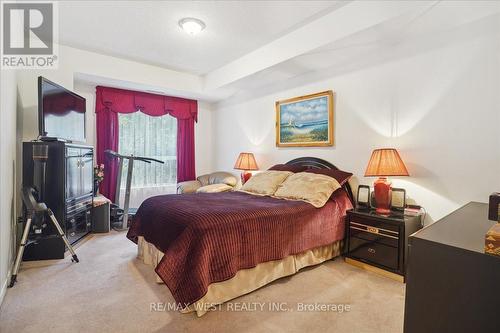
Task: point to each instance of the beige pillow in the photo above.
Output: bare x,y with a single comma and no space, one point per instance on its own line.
313,188
203,179
222,177
266,182
214,188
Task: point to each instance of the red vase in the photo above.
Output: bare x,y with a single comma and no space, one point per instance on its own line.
245,176
382,188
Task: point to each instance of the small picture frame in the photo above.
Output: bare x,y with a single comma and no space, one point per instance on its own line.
363,196
398,199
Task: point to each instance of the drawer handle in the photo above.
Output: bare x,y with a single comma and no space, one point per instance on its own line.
377,233
72,234
371,250
382,229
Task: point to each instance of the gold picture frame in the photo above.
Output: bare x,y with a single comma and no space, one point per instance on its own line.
305,121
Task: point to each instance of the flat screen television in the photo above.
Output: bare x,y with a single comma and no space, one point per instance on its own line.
61,113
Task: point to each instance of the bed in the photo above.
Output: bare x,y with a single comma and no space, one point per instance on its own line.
211,248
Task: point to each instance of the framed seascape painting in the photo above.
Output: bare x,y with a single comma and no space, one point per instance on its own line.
305,121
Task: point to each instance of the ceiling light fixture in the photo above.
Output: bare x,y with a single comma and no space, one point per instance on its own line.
191,25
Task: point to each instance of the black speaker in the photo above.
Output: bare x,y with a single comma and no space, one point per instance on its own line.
101,218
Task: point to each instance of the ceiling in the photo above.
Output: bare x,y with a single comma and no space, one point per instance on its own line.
414,32
148,31
250,48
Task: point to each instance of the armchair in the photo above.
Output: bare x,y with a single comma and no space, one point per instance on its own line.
210,183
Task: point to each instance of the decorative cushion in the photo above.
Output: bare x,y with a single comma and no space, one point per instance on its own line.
189,186
203,179
266,182
341,176
214,188
222,177
313,188
286,167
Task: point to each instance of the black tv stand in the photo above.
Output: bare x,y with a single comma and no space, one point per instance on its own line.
69,194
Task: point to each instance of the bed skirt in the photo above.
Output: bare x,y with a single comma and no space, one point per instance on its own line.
245,280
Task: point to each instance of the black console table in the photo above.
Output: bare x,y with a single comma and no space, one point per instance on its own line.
452,285
69,193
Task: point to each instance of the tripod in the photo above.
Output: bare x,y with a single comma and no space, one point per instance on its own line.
36,210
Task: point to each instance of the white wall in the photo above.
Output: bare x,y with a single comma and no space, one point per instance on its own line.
75,63
8,106
436,101
204,139
439,106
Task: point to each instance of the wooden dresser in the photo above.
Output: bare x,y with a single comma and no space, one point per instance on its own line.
451,284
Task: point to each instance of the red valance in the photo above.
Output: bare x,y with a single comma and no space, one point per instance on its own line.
111,101
128,101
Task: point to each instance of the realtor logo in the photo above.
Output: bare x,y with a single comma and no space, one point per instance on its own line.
28,35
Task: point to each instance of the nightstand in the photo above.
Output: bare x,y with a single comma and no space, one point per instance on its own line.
379,243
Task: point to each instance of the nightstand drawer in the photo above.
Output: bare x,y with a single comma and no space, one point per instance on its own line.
374,234
374,223
373,252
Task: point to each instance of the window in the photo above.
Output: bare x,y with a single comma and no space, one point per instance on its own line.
154,137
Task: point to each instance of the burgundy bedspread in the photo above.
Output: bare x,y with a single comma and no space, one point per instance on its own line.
207,238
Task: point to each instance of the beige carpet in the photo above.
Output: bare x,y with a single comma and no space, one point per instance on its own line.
111,291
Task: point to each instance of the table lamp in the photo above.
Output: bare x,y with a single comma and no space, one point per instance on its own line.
383,163
245,162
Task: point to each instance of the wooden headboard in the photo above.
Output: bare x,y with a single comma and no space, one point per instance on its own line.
318,163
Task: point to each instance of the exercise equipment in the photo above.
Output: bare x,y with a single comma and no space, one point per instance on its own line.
117,213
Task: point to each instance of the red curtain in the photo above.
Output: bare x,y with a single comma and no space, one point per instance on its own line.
111,101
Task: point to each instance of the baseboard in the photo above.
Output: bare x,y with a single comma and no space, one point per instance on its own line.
3,291
375,270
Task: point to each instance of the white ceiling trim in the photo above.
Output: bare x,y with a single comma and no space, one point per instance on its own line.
346,20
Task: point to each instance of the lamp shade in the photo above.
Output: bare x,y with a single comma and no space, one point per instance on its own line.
386,162
246,161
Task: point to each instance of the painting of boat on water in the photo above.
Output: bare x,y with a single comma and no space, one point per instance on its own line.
305,121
